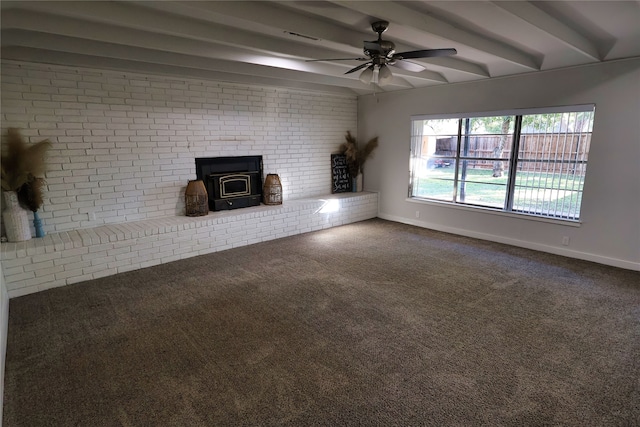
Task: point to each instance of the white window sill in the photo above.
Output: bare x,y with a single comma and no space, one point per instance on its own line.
489,211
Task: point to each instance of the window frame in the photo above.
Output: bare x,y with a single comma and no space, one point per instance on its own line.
513,161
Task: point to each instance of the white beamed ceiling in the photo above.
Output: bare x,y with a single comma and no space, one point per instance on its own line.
251,42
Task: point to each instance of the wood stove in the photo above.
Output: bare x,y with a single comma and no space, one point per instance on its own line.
231,182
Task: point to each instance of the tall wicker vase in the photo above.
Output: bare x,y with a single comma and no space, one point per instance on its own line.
196,199
16,219
272,190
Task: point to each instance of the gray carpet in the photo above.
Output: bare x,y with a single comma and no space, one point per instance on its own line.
370,324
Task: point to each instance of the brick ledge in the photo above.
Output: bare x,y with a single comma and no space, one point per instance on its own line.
72,256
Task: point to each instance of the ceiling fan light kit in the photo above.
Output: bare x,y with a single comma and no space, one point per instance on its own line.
367,75
384,75
381,54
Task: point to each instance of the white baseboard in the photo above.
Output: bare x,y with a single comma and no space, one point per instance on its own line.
614,262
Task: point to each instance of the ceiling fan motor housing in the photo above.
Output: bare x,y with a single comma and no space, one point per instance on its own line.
376,48
380,47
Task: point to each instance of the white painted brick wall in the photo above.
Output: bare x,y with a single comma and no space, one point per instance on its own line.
124,143
68,257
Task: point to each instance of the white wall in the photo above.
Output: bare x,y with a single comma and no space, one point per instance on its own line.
124,143
610,228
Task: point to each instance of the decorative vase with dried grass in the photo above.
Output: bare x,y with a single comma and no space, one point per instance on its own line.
31,195
22,165
356,156
16,220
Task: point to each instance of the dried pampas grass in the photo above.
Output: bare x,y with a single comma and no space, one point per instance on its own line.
21,167
31,194
357,156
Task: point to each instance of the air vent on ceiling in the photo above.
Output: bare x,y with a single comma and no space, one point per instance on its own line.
301,35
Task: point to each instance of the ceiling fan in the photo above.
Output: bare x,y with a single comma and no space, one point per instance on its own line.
381,53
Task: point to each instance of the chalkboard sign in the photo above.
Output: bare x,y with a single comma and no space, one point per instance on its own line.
340,178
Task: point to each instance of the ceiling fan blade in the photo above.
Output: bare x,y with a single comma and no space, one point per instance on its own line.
426,53
359,67
409,66
338,59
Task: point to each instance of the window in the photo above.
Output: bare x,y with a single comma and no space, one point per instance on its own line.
529,162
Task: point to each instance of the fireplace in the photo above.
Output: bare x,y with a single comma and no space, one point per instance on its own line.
231,182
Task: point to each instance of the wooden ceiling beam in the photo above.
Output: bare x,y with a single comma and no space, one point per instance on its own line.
71,27
531,14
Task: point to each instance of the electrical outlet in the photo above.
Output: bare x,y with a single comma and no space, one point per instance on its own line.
417,214
565,240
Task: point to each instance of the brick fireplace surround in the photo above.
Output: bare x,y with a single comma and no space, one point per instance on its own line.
124,146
